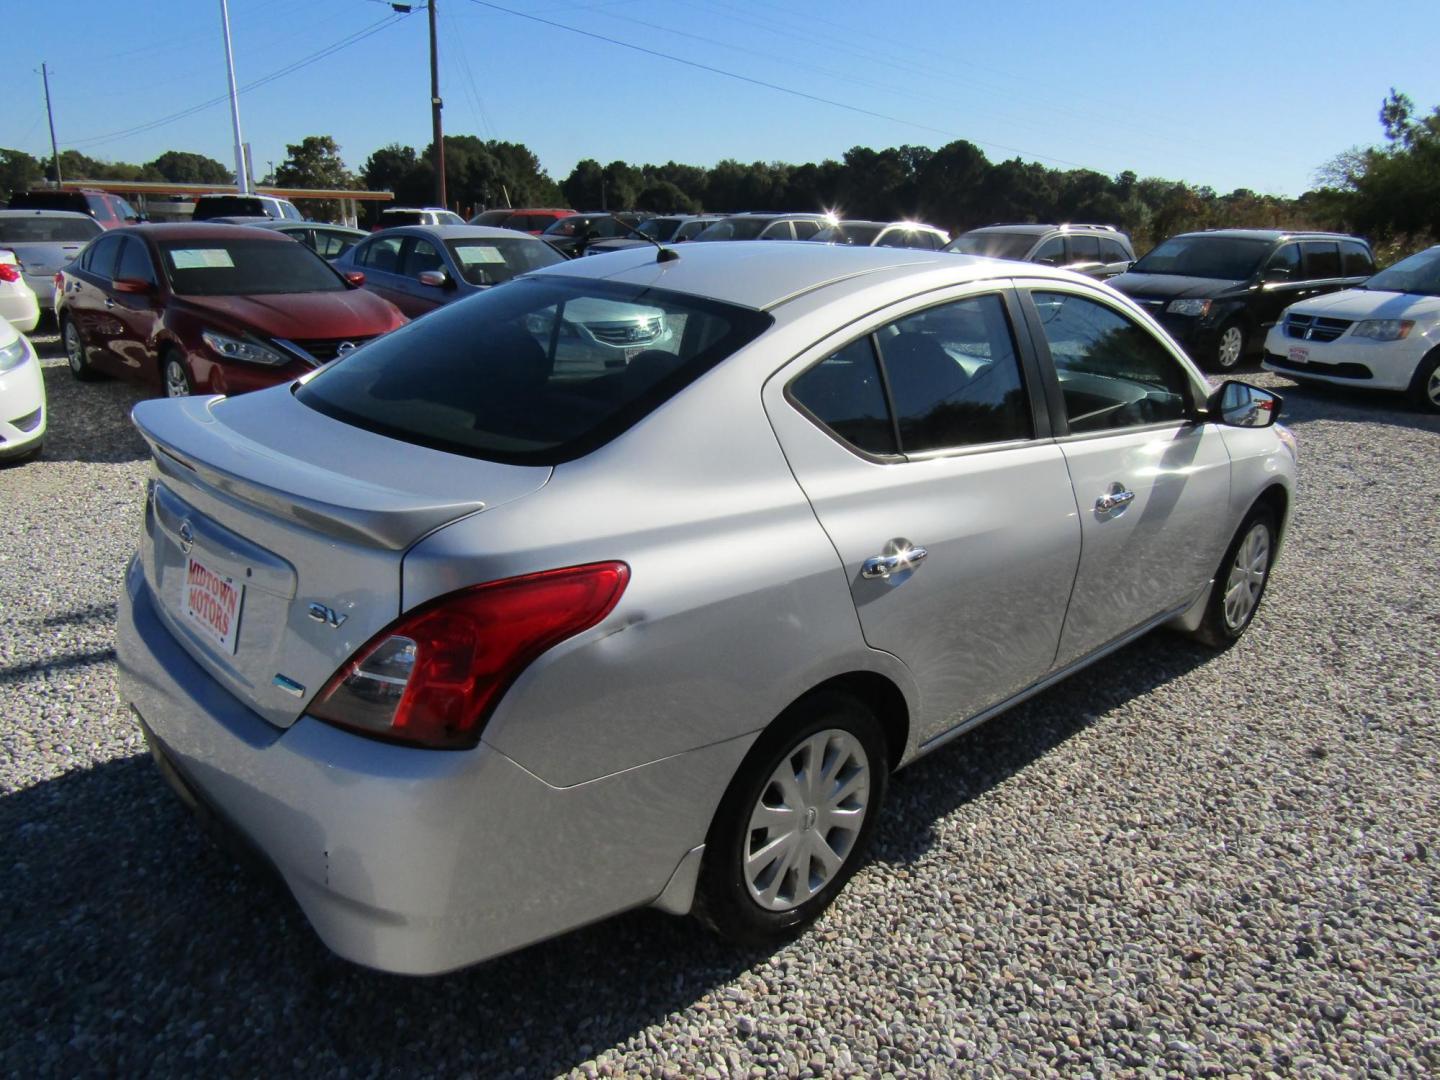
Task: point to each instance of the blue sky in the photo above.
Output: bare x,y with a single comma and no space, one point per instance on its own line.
1225,94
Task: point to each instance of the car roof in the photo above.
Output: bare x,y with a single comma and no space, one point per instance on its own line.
284,225
40,212
763,276
455,232
201,230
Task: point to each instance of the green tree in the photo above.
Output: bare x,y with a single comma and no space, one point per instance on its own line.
184,167
314,162
18,171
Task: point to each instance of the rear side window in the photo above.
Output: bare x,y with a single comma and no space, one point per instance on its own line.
422,256
330,244
951,379
804,230
1355,259
99,257
1113,372
538,372
1084,249
1288,259
1322,258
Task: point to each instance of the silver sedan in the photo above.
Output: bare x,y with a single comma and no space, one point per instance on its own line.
476,646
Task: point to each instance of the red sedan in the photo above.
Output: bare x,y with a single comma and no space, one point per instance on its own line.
210,309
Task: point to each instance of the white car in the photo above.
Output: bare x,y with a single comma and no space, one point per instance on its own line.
18,305
1385,335
22,395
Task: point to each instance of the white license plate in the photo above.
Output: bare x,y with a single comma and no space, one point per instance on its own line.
211,604
1299,354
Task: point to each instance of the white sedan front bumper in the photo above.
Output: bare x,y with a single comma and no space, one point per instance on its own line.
22,406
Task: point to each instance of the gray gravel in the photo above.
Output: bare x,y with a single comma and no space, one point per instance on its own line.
1177,862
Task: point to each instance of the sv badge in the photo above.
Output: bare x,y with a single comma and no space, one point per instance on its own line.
328,615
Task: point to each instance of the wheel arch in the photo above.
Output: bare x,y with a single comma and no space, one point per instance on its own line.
881,695
1276,499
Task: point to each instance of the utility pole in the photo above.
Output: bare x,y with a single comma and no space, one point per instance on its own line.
242,181
435,106
54,150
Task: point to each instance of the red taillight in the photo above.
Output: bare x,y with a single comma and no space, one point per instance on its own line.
433,676
59,282
9,272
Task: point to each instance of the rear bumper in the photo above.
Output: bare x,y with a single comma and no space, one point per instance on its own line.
407,860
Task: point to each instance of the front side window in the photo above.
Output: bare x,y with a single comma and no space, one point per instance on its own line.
422,256
1051,253
331,244
135,262
1287,258
1113,372
539,372
951,379
1112,251
246,268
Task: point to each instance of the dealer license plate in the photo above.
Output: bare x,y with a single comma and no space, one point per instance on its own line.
211,604
1299,354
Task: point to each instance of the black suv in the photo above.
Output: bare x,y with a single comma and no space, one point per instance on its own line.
1219,291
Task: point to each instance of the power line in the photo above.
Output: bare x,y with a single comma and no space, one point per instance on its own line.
769,85
306,61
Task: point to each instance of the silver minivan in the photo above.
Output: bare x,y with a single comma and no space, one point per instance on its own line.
476,647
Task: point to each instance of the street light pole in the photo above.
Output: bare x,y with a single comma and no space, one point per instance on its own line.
435,106
242,181
54,150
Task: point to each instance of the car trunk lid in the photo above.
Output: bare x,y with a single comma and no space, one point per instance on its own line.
274,535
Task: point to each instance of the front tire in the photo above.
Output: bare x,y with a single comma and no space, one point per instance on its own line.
1240,581
795,822
75,355
175,376
1229,347
1425,386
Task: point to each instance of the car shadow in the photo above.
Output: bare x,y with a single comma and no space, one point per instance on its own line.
120,919
1306,402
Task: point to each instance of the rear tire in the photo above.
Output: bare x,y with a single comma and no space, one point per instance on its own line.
1240,581
1425,386
807,796
75,354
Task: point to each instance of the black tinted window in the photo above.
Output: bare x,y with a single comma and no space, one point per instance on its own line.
1113,373
228,206
72,201
382,254
135,262
246,268
845,394
541,371
954,376
1356,261
1112,251
1084,249
99,257
1322,258
1051,253
1286,258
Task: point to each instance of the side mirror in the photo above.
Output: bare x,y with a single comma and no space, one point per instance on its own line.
133,286
354,278
1238,404
436,279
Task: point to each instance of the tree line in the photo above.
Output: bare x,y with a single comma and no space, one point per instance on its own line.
1389,192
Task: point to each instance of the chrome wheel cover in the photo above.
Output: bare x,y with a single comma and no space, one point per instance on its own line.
1432,388
807,820
176,385
74,348
1247,576
1231,342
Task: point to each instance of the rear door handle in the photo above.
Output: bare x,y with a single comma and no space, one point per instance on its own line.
882,566
1114,499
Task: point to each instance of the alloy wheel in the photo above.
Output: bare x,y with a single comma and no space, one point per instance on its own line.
1432,388
1227,355
74,348
177,384
806,822
1247,576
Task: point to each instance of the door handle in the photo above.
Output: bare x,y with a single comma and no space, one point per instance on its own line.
882,566
109,303
1114,499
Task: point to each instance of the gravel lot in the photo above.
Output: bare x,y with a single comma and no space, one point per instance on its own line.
1176,862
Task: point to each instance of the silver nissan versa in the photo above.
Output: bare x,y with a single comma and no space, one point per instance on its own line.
476,647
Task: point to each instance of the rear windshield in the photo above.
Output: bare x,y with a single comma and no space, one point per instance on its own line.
47,230
50,200
856,235
244,267
228,206
394,218
540,371
1224,258
488,261
994,245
